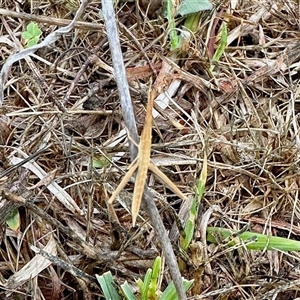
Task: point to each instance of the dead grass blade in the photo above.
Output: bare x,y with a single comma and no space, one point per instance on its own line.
47,41
33,268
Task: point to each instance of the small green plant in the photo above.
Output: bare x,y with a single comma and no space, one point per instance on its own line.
100,162
149,288
191,9
13,220
189,227
32,34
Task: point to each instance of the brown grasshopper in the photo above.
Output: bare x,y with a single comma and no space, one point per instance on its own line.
143,164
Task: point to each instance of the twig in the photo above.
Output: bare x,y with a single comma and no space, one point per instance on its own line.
65,265
129,120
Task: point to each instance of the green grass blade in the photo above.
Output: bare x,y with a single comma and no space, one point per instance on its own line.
170,292
192,22
259,241
223,43
222,46
145,286
153,288
127,291
190,224
106,282
189,232
175,39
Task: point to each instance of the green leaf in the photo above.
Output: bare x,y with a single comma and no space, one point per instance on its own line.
192,21
193,6
100,162
154,278
175,38
26,35
170,292
13,220
106,282
189,227
34,29
140,284
32,42
256,241
127,291
223,43
189,233
145,287
32,34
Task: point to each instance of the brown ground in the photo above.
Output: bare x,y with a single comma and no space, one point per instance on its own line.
66,100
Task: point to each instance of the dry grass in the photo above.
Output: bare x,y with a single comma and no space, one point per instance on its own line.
246,111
